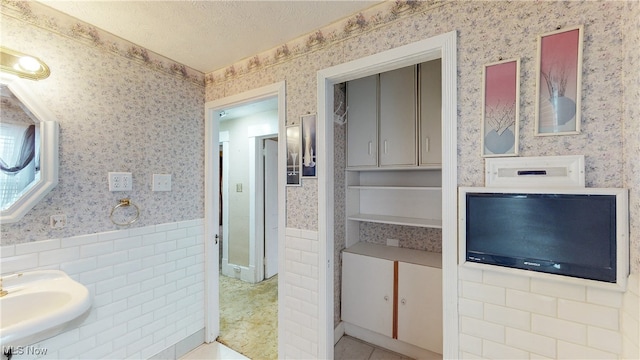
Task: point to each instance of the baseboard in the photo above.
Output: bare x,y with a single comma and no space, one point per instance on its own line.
243,273
182,347
338,332
394,345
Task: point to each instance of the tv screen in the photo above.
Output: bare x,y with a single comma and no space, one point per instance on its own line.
563,233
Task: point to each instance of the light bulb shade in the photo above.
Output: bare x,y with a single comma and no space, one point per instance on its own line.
23,65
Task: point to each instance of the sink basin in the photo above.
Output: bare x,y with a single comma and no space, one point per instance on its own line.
39,305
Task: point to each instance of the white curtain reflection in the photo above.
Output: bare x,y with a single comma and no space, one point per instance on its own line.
19,160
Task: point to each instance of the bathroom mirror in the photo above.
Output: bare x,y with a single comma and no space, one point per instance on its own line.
28,149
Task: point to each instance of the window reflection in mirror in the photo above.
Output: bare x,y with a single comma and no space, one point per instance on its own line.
28,149
19,148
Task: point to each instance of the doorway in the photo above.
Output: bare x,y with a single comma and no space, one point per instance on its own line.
255,136
442,46
249,210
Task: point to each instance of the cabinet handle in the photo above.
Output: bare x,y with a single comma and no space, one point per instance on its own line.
370,147
426,144
403,302
385,146
386,298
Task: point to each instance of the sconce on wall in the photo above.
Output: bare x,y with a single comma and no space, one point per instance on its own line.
23,65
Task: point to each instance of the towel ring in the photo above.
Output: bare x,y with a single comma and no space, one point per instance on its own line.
125,203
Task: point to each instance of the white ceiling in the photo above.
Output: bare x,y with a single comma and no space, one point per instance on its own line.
209,35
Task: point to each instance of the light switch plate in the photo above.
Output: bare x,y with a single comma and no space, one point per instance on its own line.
120,181
161,182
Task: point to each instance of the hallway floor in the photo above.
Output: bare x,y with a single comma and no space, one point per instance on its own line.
249,317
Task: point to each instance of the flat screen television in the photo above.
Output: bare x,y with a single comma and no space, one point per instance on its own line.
576,233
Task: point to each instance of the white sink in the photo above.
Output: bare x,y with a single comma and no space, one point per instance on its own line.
39,305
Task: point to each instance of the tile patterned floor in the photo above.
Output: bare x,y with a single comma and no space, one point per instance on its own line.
349,348
249,317
213,351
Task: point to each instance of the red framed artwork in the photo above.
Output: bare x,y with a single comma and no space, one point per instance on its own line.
558,85
500,110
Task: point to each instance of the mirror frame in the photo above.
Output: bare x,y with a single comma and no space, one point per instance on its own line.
49,130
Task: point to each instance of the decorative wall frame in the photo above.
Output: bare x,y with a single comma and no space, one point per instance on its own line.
294,162
558,83
309,153
501,108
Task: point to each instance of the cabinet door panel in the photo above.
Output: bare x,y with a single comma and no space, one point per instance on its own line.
420,306
398,117
362,122
367,292
431,113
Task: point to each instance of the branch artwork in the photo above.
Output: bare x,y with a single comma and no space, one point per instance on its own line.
500,111
558,84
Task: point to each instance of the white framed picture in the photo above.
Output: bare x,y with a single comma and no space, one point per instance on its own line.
309,163
294,171
501,108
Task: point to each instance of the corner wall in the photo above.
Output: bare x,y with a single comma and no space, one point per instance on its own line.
116,113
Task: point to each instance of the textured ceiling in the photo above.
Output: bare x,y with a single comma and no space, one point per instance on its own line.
209,35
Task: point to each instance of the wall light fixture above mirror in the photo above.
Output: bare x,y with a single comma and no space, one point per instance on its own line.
23,65
28,149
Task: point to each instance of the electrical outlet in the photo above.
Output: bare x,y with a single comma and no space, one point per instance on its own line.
161,182
120,181
239,187
58,221
393,242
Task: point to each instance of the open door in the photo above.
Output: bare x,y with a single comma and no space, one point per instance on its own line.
211,223
270,208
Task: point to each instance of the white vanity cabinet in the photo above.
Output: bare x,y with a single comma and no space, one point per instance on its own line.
362,124
394,292
397,139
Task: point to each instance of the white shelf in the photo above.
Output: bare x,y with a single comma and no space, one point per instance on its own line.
397,220
394,168
376,187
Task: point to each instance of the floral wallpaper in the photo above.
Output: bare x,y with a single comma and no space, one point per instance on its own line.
115,114
487,31
36,14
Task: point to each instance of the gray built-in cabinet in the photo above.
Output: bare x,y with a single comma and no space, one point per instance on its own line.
394,119
393,177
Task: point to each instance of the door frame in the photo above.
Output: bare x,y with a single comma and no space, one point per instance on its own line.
256,207
262,207
441,46
211,201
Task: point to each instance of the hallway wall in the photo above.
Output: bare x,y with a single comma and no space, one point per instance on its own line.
240,133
